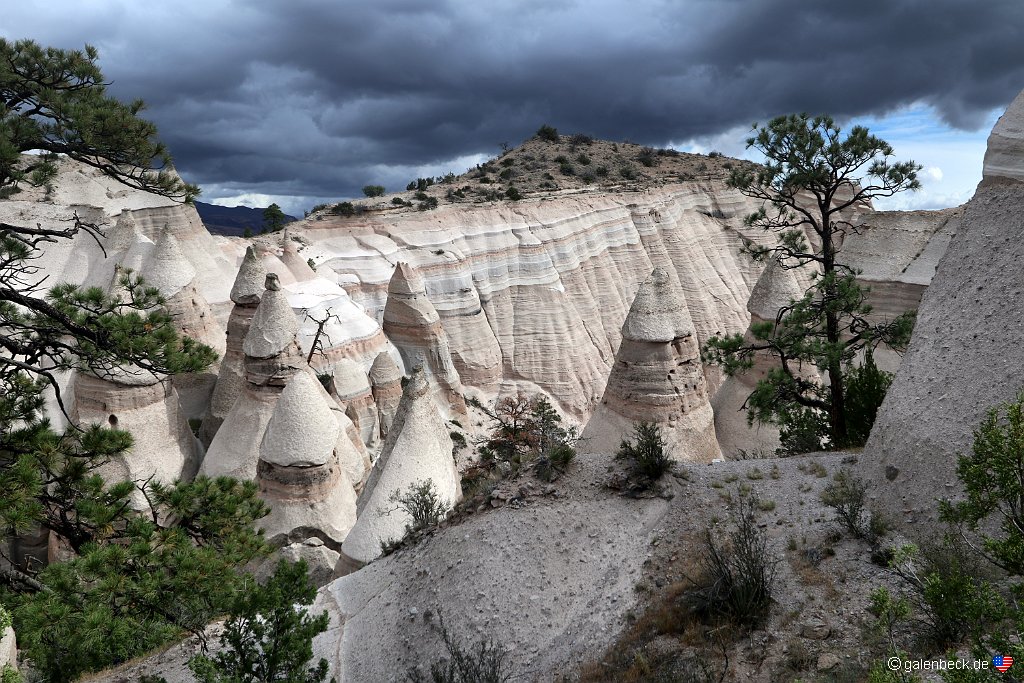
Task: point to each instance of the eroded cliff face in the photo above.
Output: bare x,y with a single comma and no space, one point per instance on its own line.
532,294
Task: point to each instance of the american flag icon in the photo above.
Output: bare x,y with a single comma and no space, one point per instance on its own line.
1002,662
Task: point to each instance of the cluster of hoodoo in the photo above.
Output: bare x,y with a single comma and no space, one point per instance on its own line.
271,357
658,377
417,448
776,288
246,293
154,410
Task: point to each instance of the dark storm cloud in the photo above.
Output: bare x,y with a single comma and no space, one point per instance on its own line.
316,98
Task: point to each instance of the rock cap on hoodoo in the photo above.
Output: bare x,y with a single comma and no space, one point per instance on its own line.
249,283
406,280
167,269
302,431
349,379
384,370
274,325
776,288
658,313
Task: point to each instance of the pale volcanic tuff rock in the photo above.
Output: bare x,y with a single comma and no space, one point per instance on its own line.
162,443
245,294
386,380
965,355
552,277
1004,156
175,277
271,358
657,377
299,473
297,266
417,448
412,324
350,386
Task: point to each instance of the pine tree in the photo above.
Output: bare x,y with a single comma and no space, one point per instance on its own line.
810,177
269,636
273,218
136,578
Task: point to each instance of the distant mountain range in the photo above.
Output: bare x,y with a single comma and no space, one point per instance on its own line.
232,220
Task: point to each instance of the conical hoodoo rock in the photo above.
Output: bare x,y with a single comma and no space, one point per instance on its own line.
658,377
246,293
776,288
299,473
271,357
418,448
412,324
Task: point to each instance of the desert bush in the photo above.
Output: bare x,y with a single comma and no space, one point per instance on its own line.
646,452
588,177
373,190
567,169
648,156
713,154
428,204
344,209
513,194
949,597
422,503
601,171
577,139
583,159
628,172
736,577
398,201
549,133
458,441
484,661
549,466
846,495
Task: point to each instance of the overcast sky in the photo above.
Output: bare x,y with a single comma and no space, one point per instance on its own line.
306,101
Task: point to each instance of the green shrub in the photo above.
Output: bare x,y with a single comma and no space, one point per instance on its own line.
736,577
428,204
993,479
398,201
513,194
846,494
950,597
422,503
866,386
373,190
10,675
567,169
577,139
646,452
548,133
583,159
601,171
344,209
628,172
